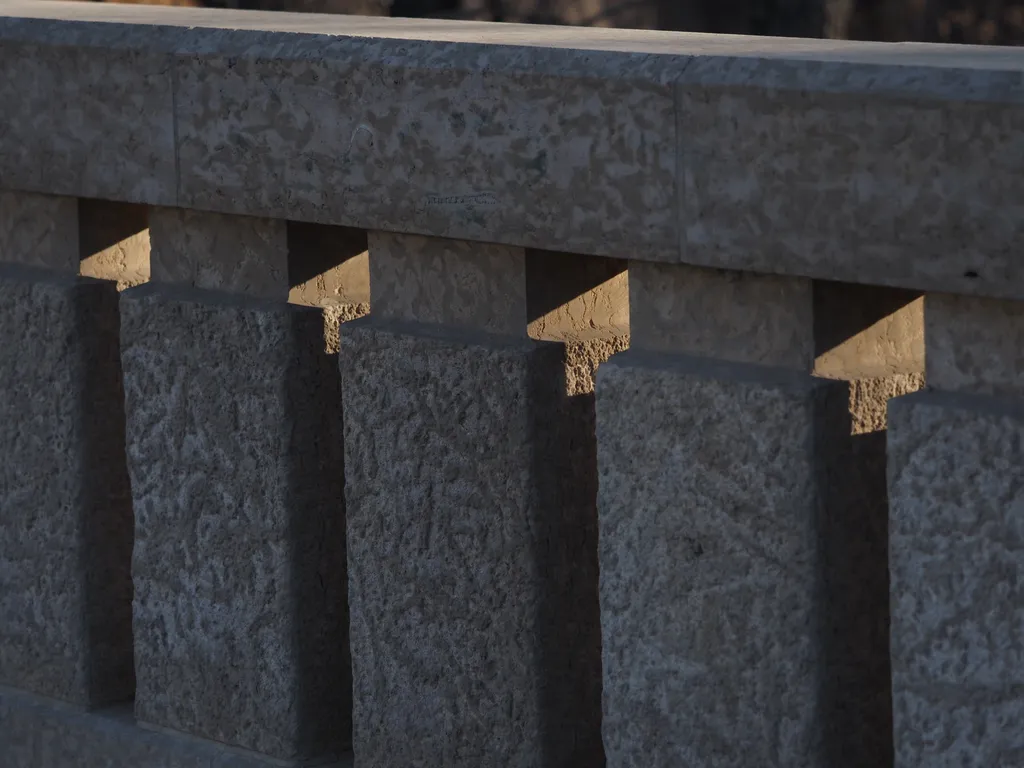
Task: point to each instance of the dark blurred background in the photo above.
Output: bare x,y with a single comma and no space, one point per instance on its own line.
987,22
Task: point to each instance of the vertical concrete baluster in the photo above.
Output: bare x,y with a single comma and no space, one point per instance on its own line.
956,488
234,446
720,458
65,507
474,610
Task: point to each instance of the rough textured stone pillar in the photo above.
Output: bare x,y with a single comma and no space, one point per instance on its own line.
472,540
730,637
65,509
234,450
956,489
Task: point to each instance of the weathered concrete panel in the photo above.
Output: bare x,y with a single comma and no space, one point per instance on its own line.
527,146
475,634
450,282
711,572
39,231
895,175
234,450
88,110
975,345
744,318
956,489
65,506
835,160
237,254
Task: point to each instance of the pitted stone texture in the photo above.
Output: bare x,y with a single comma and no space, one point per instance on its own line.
949,727
975,345
114,242
39,231
710,560
786,164
65,506
744,318
582,359
684,147
234,449
869,399
88,110
528,146
454,282
334,316
237,254
475,629
39,734
956,490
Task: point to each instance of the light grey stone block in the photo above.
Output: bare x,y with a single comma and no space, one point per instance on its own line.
39,231
975,345
787,164
65,506
36,733
460,140
237,254
472,551
715,636
686,147
744,318
88,110
453,282
947,726
956,490
234,450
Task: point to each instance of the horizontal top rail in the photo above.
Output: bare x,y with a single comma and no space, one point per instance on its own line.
890,164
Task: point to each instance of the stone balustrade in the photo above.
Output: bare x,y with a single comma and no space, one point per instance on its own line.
415,394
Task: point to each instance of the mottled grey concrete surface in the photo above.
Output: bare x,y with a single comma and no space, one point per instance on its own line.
722,627
65,510
39,231
975,345
454,282
475,633
745,318
237,254
36,733
853,172
234,451
956,490
495,163
88,109
827,159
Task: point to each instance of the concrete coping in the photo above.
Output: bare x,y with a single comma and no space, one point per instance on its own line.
885,164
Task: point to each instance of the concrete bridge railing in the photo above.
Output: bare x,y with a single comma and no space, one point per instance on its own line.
474,395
